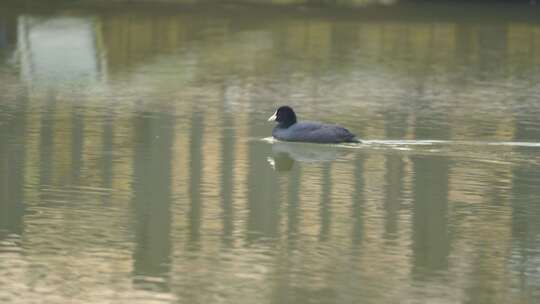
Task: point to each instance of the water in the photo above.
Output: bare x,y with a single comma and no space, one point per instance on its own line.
135,163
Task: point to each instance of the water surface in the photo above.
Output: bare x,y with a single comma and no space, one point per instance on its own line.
135,165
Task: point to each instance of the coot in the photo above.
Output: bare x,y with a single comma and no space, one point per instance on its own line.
288,129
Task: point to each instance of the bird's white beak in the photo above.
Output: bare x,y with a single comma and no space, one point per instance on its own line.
273,117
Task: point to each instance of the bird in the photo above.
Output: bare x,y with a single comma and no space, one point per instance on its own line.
289,129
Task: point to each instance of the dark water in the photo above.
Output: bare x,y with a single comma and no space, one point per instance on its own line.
135,165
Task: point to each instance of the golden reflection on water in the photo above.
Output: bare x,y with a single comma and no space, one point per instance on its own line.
139,173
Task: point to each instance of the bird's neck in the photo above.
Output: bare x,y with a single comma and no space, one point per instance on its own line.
285,125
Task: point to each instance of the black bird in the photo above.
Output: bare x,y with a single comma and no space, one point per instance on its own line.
288,129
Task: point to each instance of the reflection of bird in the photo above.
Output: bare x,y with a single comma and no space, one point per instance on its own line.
284,154
288,129
308,153
281,162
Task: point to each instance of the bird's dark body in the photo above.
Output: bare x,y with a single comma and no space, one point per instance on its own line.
288,129
310,131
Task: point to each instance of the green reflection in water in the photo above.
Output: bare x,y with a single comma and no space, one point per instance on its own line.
152,196
132,164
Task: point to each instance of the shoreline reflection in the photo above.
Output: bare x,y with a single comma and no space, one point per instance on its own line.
132,170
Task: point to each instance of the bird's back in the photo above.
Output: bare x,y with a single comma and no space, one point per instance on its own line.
310,131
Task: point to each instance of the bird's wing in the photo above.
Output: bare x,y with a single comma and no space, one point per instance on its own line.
317,132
